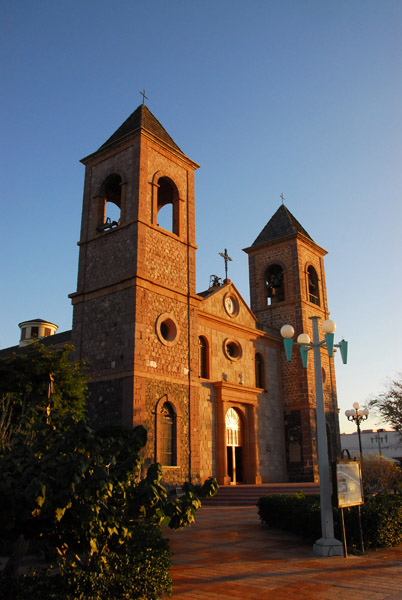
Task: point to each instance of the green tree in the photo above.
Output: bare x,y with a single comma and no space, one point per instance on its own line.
39,384
389,404
380,475
77,494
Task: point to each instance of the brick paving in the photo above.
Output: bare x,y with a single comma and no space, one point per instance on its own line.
229,555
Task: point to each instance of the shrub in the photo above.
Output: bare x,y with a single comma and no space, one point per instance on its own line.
78,494
296,512
382,521
137,571
380,475
381,518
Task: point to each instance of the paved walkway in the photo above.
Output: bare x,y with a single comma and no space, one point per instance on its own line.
228,555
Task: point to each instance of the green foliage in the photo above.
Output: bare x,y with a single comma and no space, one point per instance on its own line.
38,385
380,475
381,518
140,570
294,512
389,404
208,489
77,494
382,521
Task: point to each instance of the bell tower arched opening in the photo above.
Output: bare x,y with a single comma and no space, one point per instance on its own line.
109,205
275,286
313,286
168,216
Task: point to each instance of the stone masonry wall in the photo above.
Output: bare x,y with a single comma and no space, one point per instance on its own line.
105,402
178,396
269,422
207,414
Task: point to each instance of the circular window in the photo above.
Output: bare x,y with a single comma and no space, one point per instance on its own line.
232,349
167,329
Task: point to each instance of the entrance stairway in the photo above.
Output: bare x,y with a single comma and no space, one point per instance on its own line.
247,495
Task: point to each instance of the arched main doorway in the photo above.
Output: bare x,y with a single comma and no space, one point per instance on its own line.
234,446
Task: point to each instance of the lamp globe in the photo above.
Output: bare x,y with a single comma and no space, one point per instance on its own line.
287,331
328,326
303,338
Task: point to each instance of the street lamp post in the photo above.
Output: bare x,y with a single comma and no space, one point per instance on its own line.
327,545
358,415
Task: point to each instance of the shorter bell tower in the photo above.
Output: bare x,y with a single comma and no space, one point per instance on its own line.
287,285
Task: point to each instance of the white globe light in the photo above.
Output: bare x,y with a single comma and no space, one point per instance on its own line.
303,338
356,405
328,326
366,412
352,412
287,331
347,413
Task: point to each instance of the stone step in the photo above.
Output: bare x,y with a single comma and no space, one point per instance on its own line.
248,495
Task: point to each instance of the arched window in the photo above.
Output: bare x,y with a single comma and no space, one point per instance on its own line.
203,357
110,204
168,205
167,436
259,371
313,288
275,284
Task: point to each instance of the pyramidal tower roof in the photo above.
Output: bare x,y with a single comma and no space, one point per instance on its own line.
281,224
141,118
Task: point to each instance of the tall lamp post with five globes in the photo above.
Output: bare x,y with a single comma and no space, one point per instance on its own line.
327,545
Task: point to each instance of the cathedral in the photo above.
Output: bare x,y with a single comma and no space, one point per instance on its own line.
205,373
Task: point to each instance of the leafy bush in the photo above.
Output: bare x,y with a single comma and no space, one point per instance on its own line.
295,512
381,518
75,496
382,521
139,570
78,494
380,475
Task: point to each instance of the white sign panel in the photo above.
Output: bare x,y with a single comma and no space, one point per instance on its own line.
349,481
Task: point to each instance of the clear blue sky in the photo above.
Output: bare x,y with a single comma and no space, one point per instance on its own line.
292,96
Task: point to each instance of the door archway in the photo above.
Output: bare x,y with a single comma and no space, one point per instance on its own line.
234,445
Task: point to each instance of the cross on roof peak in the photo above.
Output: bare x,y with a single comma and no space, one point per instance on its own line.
226,258
144,97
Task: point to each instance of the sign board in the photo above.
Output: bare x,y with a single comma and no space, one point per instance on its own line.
349,484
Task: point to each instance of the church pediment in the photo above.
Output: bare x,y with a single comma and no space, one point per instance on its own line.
226,302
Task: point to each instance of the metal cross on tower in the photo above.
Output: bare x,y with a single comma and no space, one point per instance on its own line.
226,258
144,97
282,197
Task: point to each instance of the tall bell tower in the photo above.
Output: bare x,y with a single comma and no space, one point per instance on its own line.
134,311
287,285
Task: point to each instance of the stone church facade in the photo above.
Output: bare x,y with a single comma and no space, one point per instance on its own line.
205,373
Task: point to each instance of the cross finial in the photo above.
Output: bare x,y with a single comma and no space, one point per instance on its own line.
282,197
144,97
226,258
